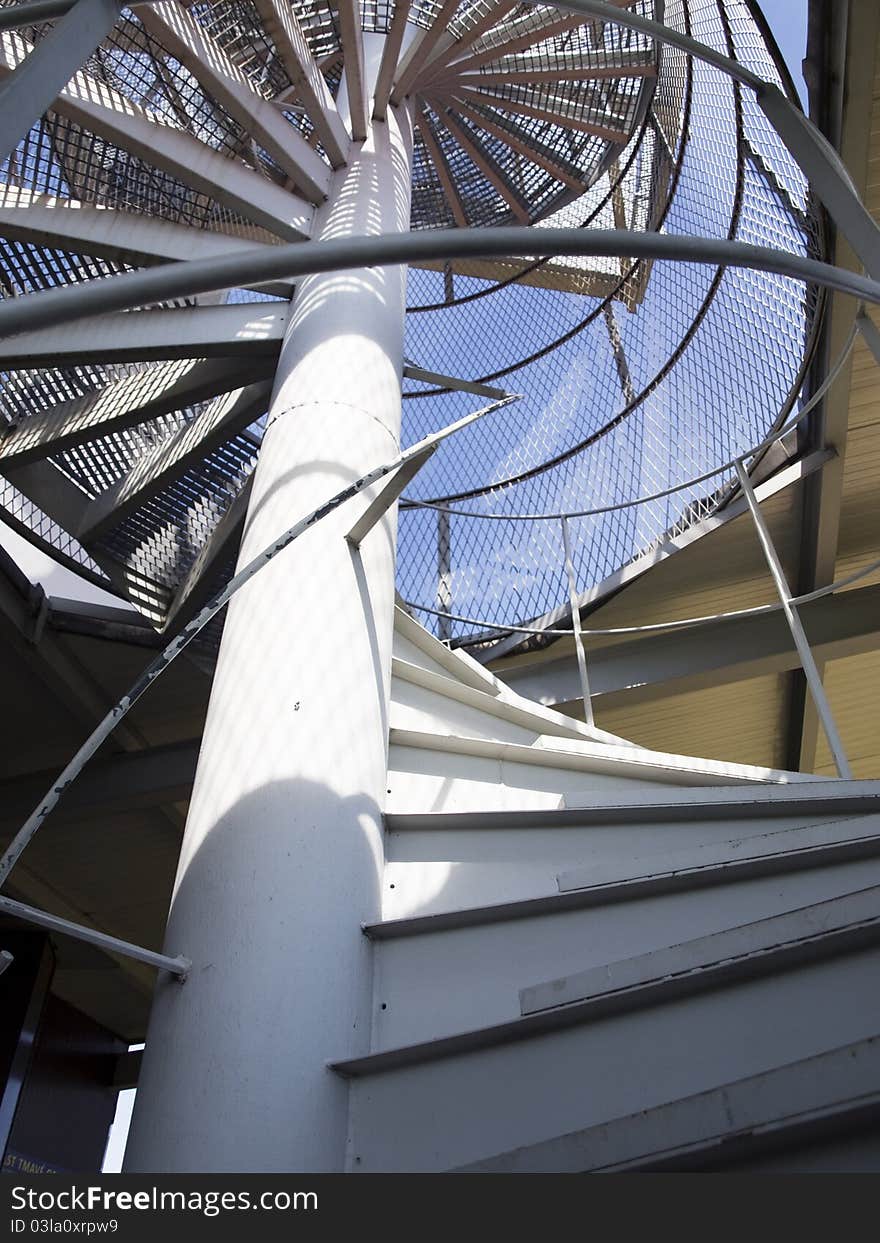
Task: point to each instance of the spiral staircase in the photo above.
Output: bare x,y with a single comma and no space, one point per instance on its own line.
581,953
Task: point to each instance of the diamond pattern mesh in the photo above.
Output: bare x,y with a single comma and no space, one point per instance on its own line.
635,376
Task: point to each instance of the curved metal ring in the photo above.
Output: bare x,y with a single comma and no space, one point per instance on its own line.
128,290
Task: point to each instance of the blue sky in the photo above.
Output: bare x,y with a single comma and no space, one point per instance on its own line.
788,21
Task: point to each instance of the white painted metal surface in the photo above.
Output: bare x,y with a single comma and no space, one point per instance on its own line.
740,948
104,111
815,1098
446,870
283,853
468,1106
456,980
132,336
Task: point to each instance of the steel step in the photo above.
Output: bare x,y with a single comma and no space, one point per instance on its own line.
822,930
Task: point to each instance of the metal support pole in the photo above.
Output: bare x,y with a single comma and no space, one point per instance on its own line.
576,624
32,12
808,663
39,80
444,580
283,854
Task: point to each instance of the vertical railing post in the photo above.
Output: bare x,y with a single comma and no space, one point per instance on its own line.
444,576
801,642
576,624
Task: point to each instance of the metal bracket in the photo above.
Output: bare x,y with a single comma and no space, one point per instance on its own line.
36,83
176,966
386,498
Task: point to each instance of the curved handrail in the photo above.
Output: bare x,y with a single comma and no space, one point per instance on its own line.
252,265
684,623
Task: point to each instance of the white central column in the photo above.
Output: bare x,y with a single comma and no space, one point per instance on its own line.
282,856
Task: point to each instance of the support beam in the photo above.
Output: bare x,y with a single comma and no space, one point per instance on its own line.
524,146
123,783
378,508
30,888
136,399
583,675
109,233
849,37
55,666
813,676
41,75
31,12
530,29
44,484
494,13
410,69
177,966
351,35
654,665
293,50
250,330
412,372
220,78
529,77
62,501
101,110
221,546
390,58
487,167
561,113
870,333
172,457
